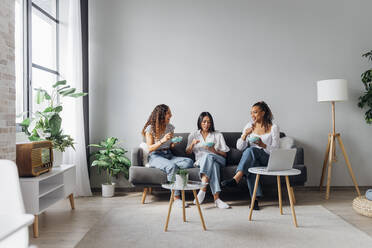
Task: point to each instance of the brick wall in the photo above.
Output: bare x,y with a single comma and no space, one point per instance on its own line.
7,81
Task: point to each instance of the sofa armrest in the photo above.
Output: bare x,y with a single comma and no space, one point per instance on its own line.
136,156
299,159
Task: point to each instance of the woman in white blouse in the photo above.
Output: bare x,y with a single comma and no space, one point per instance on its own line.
210,150
257,154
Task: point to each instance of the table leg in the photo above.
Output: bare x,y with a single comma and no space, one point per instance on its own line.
72,203
200,213
36,226
291,201
254,196
183,206
280,194
169,210
293,196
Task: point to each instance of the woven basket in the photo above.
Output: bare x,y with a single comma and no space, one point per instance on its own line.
362,206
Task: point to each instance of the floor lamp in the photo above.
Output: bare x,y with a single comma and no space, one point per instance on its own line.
333,90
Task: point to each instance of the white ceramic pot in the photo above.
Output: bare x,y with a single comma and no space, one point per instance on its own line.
180,181
57,158
108,190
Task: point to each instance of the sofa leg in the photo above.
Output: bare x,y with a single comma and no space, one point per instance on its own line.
144,195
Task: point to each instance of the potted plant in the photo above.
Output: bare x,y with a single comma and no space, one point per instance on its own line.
182,178
110,159
46,124
366,99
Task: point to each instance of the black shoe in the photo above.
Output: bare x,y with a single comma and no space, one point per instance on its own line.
255,205
229,183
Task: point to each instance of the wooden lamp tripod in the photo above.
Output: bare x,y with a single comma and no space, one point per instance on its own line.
333,90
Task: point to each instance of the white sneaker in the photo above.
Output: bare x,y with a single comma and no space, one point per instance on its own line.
220,204
178,203
201,196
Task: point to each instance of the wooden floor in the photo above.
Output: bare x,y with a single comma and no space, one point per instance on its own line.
61,227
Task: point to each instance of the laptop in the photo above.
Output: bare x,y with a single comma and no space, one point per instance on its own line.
281,159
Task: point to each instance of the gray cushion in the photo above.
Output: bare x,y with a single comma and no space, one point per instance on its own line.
233,156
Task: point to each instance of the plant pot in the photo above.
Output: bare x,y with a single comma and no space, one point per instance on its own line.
57,158
108,190
181,181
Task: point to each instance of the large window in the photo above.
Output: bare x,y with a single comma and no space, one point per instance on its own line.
36,35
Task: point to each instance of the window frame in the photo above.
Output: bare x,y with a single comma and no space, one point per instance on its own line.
28,65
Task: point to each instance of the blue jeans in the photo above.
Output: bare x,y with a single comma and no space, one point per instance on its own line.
210,165
165,161
252,157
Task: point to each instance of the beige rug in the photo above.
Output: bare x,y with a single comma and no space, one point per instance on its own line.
142,226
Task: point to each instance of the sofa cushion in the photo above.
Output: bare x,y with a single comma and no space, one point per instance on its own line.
145,154
286,143
233,156
179,150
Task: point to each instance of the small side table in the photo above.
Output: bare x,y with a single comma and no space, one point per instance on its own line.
191,185
262,171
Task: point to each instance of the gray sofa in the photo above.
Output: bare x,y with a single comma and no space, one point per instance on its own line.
146,178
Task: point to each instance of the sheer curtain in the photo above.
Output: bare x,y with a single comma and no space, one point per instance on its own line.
71,70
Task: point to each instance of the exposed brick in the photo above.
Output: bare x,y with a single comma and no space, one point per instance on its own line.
7,80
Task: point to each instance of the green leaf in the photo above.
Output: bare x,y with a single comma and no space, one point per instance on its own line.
124,160
47,96
76,95
67,92
26,122
55,124
64,87
63,82
100,163
58,109
38,96
48,109
95,145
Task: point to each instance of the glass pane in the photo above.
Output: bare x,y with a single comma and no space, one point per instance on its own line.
48,6
41,79
43,40
19,58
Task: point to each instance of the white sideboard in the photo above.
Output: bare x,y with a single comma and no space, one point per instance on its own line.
41,192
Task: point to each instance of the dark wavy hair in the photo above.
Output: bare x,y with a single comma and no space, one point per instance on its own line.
200,120
268,116
157,120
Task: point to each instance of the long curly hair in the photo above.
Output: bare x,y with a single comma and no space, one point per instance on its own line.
268,116
157,120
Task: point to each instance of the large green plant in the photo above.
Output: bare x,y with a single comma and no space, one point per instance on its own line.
111,159
46,124
366,99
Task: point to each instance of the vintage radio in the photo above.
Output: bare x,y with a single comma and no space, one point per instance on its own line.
34,158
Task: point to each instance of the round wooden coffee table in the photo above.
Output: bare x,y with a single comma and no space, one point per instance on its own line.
191,185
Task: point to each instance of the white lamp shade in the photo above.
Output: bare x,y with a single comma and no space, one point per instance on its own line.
332,90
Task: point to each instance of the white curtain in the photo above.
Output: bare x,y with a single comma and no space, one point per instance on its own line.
71,70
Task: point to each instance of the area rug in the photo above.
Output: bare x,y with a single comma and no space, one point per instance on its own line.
143,226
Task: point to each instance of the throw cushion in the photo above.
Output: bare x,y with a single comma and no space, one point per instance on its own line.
145,154
233,156
286,143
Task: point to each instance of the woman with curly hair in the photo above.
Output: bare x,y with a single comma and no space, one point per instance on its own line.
266,136
210,150
158,133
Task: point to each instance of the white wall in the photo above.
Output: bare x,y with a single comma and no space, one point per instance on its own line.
223,56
